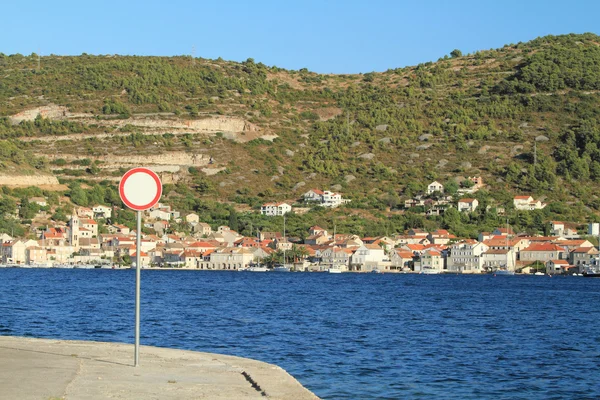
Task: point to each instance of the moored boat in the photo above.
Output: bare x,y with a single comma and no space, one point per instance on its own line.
427,270
257,269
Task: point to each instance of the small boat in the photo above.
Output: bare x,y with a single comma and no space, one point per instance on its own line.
334,270
427,270
281,268
257,269
504,272
539,273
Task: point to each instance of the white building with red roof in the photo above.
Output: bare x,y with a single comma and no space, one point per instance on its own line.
467,205
431,260
527,203
554,267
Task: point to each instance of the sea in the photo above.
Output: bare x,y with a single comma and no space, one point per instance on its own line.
343,336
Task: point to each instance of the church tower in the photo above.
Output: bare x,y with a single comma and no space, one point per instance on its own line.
74,230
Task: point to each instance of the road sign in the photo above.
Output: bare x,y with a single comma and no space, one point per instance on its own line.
140,189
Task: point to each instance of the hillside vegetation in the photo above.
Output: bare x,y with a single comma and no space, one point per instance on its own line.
525,117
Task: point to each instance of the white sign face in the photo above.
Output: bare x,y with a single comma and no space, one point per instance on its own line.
140,189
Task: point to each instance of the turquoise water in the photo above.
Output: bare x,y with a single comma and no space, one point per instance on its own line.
343,336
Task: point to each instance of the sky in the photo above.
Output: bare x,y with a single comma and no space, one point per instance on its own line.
326,36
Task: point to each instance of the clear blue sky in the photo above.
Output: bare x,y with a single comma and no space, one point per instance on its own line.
324,36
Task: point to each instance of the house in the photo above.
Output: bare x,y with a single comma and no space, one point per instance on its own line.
440,236
203,246
40,201
84,212
226,236
160,227
583,256
431,259
494,259
324,198
317,230
202,228
542,252
36,255
160,214
466,256
192,258
192,218
144,259
503,232
316,239
527,203
342,257
435,187
401,259
484,236
14,252
315,195
351,242
90,225
101,211
467,205
275,209
247,242
367,258
232,258
121,229
555,267
571,245
558,228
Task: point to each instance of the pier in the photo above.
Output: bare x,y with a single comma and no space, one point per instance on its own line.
65,369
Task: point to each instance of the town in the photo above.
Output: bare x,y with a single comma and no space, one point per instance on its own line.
78,244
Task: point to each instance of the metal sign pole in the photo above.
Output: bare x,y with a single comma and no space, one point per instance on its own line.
140,189
138,250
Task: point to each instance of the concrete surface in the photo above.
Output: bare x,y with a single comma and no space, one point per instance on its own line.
62,369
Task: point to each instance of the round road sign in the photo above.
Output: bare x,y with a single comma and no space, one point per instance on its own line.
140,189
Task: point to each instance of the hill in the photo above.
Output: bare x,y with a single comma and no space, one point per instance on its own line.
525,117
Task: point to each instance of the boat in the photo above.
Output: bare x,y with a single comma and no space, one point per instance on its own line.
504,272
591,272
281,268
257,268
539,273
427,270
334,270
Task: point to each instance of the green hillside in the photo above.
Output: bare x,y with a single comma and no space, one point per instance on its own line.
525,117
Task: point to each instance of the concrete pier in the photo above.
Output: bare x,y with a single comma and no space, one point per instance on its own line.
62,369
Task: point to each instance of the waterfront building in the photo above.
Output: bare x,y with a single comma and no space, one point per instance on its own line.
368,257
542,252
466,256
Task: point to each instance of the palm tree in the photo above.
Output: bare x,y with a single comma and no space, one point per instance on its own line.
298,252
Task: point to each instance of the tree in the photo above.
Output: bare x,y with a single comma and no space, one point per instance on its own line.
456,53
233,221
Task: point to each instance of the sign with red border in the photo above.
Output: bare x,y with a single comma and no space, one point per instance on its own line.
140,189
